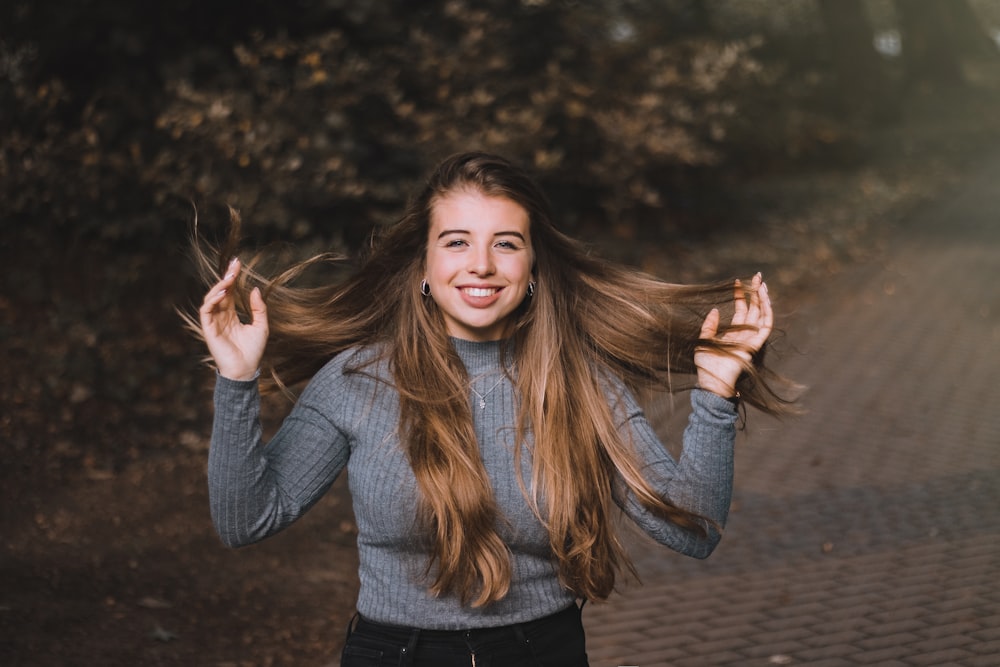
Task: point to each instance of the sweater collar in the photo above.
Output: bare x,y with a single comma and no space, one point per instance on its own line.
480,357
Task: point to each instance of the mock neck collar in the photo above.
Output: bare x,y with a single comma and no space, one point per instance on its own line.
480,356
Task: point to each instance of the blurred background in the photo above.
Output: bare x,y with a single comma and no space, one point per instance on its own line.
693,139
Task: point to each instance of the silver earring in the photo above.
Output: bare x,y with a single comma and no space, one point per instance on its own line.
425,289
531,289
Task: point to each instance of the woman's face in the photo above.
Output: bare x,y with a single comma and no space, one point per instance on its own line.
478,263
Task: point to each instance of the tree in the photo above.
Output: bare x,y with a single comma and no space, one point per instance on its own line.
866,91
938,39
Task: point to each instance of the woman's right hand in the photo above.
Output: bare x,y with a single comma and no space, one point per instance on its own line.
236,348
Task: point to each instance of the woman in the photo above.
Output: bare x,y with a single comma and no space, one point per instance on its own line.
476,377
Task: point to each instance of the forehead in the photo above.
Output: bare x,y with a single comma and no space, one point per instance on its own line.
470,209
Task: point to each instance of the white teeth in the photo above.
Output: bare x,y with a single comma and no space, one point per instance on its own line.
479,291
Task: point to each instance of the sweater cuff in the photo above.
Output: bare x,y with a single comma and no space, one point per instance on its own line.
713,406
227,389
219,377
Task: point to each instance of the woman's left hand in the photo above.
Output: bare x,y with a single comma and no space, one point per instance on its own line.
718,371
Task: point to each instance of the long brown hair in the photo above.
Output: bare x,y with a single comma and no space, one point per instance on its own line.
589,320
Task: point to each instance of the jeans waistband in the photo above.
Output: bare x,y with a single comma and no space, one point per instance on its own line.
462,638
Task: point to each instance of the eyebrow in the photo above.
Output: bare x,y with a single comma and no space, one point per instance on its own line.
446,232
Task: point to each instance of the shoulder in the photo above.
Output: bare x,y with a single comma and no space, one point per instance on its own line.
620,397
368,363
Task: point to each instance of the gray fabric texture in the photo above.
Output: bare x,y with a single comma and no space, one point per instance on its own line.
350,420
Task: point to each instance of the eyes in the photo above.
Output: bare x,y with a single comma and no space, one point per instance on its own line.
500,244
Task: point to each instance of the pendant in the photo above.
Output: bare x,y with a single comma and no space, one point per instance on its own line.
482,403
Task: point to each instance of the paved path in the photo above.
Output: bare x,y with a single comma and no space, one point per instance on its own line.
868,531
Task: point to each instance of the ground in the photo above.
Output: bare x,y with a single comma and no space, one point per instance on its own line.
107,554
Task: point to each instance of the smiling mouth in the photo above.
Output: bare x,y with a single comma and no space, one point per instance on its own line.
480,291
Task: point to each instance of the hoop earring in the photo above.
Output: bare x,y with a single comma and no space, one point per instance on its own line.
425,289
531,289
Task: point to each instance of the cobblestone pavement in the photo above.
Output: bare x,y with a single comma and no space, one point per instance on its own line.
866,532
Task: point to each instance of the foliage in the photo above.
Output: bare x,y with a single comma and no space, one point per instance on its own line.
320,129
316,118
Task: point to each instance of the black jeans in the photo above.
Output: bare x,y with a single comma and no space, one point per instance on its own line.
553,641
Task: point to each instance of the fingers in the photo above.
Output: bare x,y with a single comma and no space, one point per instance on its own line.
218,293
739,297
258,309
744,312
760,314
232,271
752,309
710,326
766,312
221,288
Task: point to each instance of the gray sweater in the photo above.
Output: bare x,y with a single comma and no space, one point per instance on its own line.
351,420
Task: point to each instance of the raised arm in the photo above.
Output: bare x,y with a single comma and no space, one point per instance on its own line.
255,488
701,480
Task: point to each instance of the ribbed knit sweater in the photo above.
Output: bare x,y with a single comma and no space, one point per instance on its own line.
351,420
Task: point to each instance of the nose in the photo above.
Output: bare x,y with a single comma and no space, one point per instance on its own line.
481,261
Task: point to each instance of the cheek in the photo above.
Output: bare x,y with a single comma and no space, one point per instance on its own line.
431,262
522,269
438,267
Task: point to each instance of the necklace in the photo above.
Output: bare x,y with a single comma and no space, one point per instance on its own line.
482,397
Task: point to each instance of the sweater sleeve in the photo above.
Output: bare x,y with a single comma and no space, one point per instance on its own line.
255,488
701,481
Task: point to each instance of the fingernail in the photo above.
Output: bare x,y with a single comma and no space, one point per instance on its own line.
233,261
222,291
